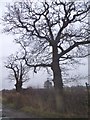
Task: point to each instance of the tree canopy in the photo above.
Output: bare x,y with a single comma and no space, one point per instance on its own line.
50,32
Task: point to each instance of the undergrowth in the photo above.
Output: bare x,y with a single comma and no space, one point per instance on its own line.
41,102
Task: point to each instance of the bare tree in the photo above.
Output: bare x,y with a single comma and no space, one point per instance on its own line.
51,33
19,71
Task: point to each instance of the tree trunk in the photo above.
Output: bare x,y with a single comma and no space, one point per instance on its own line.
18,86
57,76
57,79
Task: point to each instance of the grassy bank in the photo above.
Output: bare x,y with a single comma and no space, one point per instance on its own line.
41,102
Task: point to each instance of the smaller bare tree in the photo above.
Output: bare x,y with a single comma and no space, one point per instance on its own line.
19,71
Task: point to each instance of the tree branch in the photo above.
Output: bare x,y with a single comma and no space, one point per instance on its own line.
67,20
37,65
76,44
12,68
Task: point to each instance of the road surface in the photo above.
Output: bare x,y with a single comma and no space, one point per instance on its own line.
11,113
0,111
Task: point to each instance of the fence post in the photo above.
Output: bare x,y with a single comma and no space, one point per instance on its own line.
88,92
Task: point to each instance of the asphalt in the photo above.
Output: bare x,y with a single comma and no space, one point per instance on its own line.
8,113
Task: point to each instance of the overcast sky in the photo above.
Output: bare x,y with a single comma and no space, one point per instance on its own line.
7,47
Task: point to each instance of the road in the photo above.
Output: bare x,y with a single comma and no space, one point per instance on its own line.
11,113
0,111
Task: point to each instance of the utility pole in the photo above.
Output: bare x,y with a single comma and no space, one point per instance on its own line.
89,64
89,47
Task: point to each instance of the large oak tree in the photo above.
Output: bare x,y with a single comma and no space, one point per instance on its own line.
50,32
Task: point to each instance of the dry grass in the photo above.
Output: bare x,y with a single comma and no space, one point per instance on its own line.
41,102
0,97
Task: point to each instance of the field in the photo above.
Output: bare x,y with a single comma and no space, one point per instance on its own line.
41,102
